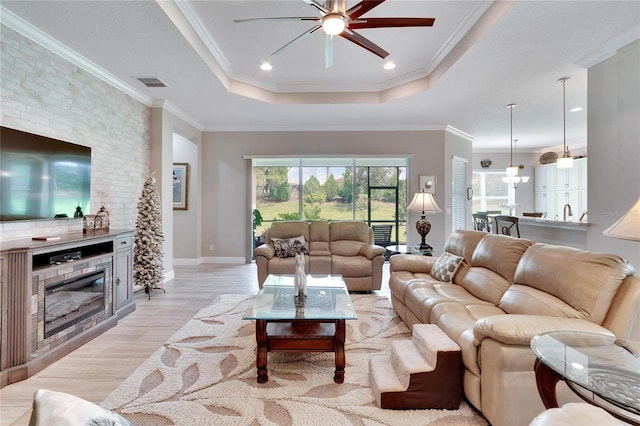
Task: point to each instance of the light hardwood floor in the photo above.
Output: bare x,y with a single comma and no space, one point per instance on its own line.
94,370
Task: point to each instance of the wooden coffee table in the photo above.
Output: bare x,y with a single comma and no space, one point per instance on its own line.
316,323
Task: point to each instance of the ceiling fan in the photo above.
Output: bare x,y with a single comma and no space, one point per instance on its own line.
336,20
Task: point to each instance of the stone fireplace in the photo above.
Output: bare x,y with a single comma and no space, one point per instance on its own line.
69,298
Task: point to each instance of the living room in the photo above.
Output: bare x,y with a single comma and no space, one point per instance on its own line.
46,91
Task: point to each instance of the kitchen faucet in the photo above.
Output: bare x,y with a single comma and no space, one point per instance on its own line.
564,211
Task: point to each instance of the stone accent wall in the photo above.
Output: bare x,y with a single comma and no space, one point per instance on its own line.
45,94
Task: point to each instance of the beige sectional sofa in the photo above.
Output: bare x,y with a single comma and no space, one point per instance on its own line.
506,291
340,248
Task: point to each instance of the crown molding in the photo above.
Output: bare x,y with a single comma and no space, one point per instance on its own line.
481,17
610,48
29,31
459,133
334,128
23,27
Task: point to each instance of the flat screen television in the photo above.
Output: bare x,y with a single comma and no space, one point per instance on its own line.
41,177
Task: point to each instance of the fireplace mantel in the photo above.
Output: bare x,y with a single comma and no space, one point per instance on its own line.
28,268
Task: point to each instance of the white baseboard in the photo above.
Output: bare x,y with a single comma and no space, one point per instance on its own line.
187,262
201,260
168,276
228,260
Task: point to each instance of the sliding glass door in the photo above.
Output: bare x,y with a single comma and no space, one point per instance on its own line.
372,190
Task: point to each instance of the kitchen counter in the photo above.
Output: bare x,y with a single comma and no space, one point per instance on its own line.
542,230
550,223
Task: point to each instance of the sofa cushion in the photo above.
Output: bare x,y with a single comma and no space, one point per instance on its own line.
586,281
485,284
348,237
62,409
319,238
351,266
289,247
446,267
493,266
422,296
457,320
463,243
287,229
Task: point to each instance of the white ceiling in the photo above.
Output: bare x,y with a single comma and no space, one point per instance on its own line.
478,57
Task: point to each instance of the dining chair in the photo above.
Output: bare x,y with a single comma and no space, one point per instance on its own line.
481,222
507,225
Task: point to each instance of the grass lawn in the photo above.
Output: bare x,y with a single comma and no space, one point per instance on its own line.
329,211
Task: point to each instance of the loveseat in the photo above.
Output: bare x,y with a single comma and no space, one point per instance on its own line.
340,248
494,293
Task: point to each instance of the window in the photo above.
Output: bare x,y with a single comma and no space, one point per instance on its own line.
369,189
458,193
490,193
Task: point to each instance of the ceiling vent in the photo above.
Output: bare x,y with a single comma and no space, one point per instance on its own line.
151,82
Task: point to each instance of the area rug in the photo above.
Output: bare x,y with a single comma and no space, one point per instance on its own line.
205,374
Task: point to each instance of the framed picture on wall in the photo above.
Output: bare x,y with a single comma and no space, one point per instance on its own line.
180,186
428,184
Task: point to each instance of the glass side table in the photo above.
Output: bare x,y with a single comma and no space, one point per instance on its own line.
603,370
404,249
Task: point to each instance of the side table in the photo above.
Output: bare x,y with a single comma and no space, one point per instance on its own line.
405,249
601,369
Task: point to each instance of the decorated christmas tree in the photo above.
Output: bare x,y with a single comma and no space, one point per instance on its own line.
148,238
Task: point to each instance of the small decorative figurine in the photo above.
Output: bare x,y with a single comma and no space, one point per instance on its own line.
300,278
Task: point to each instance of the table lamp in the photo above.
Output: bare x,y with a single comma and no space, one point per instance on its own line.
423,202
628,226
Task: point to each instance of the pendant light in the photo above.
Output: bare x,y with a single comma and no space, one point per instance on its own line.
512,171
566,162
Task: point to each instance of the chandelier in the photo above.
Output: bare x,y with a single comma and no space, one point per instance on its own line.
512,177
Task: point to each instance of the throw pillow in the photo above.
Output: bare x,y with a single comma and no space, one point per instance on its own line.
446,267
289,247
62,409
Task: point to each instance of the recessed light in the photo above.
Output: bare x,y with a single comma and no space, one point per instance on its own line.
389,66
576,109
266,66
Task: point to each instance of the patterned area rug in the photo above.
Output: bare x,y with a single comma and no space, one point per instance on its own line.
205,374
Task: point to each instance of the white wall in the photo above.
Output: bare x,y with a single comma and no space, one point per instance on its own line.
224,178
43,93
614,148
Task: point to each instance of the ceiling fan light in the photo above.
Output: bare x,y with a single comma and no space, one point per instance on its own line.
333,24
389,66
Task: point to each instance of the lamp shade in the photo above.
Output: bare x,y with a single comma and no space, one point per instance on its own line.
423,202
628,226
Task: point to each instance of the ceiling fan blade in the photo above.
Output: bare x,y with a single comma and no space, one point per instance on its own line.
279,18
328,51
391,22
363,7
317,5
364,42
297,39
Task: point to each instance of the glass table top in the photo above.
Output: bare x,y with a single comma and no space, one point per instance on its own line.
605,365
327,299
